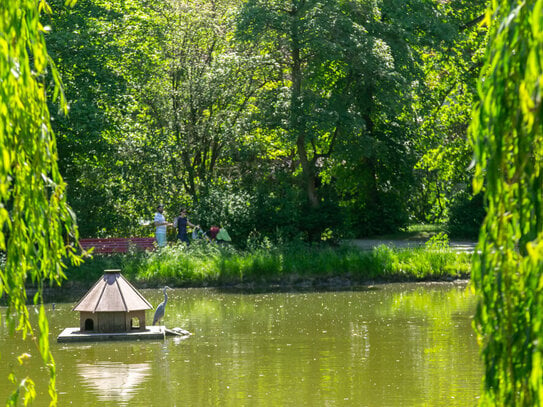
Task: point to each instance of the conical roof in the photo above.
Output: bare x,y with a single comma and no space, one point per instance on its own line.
112,293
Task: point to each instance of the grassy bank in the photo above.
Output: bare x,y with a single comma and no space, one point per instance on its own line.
294,264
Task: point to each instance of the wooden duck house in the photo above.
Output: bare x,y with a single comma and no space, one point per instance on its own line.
112,305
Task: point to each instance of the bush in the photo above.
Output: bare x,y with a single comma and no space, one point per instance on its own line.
466,216
226,207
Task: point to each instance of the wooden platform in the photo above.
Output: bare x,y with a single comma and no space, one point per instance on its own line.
75,335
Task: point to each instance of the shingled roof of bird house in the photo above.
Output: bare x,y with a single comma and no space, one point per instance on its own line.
112,293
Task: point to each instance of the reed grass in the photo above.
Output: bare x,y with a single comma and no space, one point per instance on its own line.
213,265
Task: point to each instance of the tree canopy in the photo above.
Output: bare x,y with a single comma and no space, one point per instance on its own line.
303,110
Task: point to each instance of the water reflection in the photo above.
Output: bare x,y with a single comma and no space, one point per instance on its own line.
390,345
113,381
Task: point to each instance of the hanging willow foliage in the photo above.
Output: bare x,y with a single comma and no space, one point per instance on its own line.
507,136
35,220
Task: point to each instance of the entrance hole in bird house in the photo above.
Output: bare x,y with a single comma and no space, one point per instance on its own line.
89,324
135,323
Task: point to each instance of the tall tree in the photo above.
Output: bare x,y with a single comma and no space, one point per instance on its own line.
102,50
310,100
198,98
161,92
445,108
347,78
508,142
35,220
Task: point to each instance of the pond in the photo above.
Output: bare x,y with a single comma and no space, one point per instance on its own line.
382,345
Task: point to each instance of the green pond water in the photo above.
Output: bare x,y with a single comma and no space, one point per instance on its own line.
382,345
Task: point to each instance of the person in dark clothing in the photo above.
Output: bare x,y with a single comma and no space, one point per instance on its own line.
181,223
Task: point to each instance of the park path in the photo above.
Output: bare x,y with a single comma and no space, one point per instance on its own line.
369,244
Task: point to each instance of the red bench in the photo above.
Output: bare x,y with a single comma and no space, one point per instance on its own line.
118,244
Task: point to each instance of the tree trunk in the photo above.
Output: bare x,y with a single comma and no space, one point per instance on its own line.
308,172
372,192
297,124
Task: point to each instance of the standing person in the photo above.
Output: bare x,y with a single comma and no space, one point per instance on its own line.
161,226
181,223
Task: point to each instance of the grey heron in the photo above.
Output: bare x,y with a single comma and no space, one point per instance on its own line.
159,313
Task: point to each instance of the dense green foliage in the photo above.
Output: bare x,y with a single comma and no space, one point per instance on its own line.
35,220
284,119
291,120
445,170
508,142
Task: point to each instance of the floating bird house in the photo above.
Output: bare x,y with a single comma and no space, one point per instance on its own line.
112,305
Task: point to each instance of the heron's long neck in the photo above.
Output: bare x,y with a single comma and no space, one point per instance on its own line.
165,297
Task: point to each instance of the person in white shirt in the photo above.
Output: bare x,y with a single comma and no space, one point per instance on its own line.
161,226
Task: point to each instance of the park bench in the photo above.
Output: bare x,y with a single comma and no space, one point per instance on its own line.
117,244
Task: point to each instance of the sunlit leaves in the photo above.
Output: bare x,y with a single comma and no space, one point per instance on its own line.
25,388
507,137
443,106
35,222
198,99
166,100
